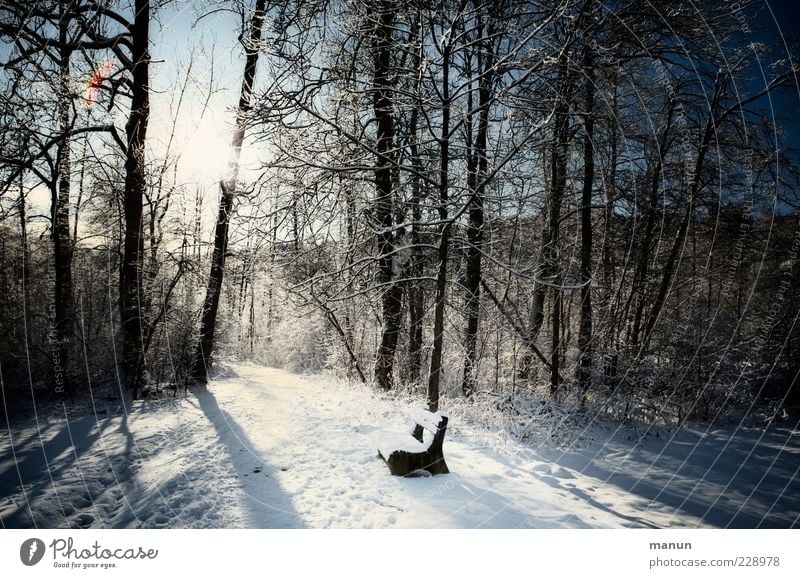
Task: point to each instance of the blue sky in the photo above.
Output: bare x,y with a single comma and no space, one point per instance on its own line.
781,18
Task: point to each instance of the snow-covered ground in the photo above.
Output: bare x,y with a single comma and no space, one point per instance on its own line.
264,448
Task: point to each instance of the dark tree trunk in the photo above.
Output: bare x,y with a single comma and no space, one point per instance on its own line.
585,330
135,183
23,237
23,227
549,271
62,243
214,289
638,296
350,221
415,291
434,376
391,291
555,347
205,346
477,178
609,272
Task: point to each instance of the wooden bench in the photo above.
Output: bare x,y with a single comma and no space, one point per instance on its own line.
417,454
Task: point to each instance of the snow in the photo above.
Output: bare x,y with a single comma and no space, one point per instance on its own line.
264,448
430,421
390,441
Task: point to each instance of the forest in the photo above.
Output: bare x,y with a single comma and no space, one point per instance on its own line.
587,203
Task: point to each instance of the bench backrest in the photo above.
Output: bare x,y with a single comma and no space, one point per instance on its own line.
430,421
427,420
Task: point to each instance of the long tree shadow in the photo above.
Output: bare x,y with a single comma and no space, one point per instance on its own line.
122,465
627,520
749,481
267,504
38,462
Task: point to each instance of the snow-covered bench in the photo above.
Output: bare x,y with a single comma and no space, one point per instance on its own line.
420,451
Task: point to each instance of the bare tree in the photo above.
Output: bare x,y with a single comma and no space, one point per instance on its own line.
228,186
391,291
478,164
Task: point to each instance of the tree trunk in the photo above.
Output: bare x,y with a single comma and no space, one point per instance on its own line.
609,274
477,178
23,229
135,183
549,270
434,376
415,290
416,294
555,347
585,330
675,250
205,346
641,272
548,265
391,291
62,243
334,322
23,237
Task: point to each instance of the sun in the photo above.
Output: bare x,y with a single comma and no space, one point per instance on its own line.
206,153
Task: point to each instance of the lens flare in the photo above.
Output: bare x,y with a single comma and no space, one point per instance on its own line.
100,73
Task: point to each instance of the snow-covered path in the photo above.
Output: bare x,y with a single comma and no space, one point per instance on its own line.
268,449
314,443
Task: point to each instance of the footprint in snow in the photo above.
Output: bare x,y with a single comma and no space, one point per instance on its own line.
555,471
83,501
83,521
160,520
562,473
